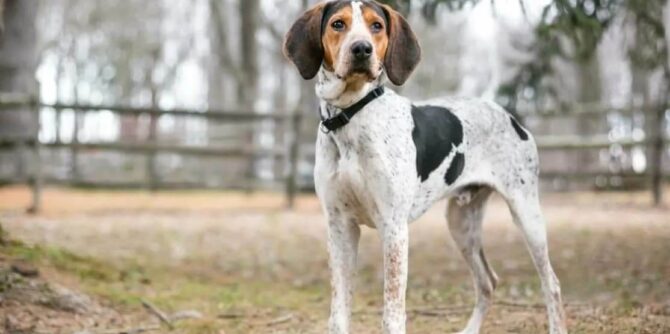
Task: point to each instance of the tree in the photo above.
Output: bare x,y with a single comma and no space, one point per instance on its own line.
2,7
235,69
17,73
568,30
650,54
17,65
581,24
117,53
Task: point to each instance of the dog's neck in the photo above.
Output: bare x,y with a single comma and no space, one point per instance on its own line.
337,93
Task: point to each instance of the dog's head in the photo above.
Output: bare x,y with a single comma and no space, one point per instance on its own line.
356,40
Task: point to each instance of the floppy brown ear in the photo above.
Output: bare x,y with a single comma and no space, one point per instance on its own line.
403,53
302,44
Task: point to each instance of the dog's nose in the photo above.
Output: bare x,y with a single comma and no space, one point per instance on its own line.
361,50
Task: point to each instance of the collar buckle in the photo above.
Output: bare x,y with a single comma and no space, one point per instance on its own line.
377,92
336,122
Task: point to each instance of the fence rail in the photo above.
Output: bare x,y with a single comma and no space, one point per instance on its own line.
289,153
150,148
581,143
588,110
9,102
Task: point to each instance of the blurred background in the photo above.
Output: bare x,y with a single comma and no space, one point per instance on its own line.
115,116
197,94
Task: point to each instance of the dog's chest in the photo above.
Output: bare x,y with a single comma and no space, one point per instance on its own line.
358,177
353,195
373,165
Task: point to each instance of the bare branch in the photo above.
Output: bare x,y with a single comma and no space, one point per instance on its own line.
232,315
224,57
524,10
137,330
280,320
158,313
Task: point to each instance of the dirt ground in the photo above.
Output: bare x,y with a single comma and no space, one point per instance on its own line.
247,265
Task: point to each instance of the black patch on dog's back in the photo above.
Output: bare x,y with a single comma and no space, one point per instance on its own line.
436,132
519,129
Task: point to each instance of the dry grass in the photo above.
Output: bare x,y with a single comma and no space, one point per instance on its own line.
248,259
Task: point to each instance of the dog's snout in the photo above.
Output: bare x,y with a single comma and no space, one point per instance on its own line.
361,50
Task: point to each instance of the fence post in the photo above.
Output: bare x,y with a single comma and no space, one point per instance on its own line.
20,163
58,115
36,180
294,155
74,150
151,173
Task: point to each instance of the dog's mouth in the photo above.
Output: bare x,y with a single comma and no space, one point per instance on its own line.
362,72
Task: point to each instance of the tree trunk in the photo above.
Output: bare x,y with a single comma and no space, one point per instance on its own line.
18,62
17,66
225,73
657,152
151,167
249,52
17,75
218,38
2,7
247,89
590,95
658,140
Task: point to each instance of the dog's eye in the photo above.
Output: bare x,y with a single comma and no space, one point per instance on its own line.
338,25
377,27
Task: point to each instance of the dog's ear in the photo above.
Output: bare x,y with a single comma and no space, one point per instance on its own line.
302,44
403,53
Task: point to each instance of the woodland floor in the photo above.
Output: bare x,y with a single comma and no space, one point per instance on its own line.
247,265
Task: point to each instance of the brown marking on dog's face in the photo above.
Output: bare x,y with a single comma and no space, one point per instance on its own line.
380,37
334,36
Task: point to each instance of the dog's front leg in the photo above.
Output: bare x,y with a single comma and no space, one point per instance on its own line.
343,236
395,239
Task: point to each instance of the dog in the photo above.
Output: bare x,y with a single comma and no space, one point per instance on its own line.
383,160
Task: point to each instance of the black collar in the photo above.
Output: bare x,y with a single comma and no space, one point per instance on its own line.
345,115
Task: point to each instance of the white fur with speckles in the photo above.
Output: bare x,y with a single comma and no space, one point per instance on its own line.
365,174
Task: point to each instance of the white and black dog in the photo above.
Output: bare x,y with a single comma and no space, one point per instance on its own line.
383,160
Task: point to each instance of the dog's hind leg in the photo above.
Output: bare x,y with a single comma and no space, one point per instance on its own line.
524,205
464,215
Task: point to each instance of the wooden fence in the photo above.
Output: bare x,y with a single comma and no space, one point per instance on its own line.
288,152
653,141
